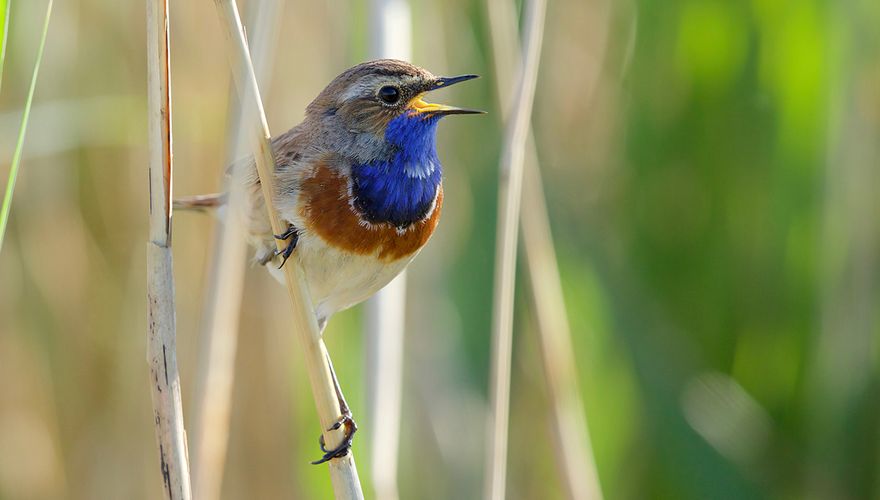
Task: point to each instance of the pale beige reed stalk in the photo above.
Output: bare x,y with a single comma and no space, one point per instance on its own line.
161,339
574,452
222,307
509,199
343,472
385,314
572,442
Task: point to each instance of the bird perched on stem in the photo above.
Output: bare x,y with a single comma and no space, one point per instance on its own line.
359,184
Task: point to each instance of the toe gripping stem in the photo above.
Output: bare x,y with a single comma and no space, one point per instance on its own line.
346,422
293,236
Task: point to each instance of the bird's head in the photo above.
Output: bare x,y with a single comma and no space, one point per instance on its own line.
377,97
375,115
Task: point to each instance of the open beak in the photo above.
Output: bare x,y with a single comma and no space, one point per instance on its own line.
445,81
420,106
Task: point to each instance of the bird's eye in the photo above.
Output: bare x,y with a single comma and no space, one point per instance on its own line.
389,94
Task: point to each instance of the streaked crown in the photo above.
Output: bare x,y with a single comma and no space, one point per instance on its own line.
367,97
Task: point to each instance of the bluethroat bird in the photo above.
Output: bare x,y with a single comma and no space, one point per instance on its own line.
359,184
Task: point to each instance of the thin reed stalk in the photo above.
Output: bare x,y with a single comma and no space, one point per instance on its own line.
574,452
161,338
343,473
391,27
509,199
844,363
6,206
219,335
573,449
385,330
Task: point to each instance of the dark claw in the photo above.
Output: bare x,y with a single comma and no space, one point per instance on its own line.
291,234
291,231
341,450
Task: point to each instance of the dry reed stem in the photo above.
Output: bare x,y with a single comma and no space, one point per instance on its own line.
219,339
343,472
572,447
219,335
385,319
844,362
391,27
161,341
509,198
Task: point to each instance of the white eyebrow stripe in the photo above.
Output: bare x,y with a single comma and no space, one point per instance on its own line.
359,88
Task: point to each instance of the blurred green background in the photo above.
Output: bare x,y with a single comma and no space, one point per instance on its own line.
711,168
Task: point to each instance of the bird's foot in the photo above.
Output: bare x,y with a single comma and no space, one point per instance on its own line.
346,422
292,237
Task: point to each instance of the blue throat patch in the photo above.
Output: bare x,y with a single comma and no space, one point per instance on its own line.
400,191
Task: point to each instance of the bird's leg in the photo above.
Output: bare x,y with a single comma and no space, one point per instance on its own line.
292,237
345,421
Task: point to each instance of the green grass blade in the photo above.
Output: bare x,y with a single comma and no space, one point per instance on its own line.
19,145
5,5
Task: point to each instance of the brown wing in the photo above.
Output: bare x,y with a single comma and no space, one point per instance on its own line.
288,148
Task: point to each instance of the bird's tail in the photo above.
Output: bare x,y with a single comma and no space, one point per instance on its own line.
200,202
